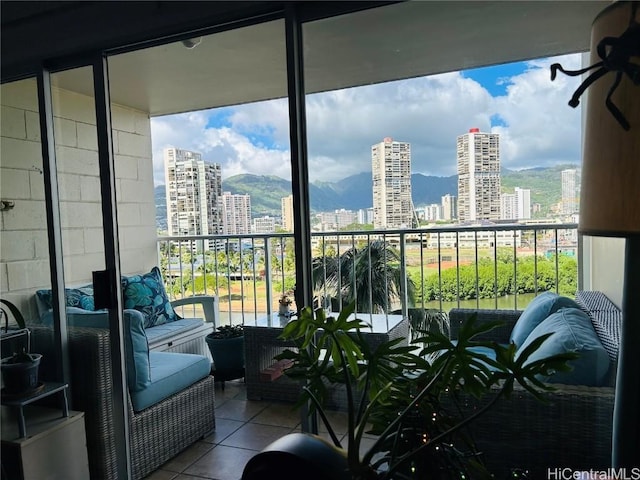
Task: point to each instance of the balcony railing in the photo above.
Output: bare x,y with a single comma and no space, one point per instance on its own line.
496,266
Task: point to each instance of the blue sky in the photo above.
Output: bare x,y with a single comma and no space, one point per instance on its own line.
519,101
495,79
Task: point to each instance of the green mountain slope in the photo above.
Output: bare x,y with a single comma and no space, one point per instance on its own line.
545,183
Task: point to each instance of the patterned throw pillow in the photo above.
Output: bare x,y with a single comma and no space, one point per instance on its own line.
146,294
81,297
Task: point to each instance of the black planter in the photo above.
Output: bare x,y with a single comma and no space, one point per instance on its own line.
20,377
298,456
228,357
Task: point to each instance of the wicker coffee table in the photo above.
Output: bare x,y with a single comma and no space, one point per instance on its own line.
262,343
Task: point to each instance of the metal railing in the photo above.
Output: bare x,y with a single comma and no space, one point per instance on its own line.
444,267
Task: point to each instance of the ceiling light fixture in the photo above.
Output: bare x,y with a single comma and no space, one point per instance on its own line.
192,42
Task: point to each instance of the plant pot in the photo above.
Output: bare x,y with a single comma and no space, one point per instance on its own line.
283,310
298,455
228,357
20,377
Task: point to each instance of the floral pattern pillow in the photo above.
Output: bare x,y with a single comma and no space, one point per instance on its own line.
146,294
81,297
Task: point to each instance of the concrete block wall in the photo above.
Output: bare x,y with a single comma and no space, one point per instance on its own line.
24,256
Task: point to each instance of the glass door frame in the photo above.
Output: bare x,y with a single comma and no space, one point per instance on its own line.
102,107
294,15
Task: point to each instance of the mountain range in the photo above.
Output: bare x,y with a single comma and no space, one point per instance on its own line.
356,191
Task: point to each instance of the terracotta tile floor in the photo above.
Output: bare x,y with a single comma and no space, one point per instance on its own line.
243,428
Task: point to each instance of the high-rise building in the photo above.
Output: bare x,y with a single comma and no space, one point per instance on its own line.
193,191
431,213
391,166
449,207
337,219
365,215
287,213
508,206
478,176
236,214
517,205
570,191
523,200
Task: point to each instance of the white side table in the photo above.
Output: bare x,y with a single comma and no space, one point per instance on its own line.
55,446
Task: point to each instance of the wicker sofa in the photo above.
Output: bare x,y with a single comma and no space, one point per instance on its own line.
167,411
572,430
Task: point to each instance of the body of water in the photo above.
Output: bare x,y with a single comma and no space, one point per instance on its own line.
508,302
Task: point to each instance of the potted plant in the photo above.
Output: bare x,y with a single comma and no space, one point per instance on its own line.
370,276
284,304
395,393
20,370
226,345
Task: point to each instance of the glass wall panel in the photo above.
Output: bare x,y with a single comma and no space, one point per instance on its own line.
78,180
404,138
445,154
203,169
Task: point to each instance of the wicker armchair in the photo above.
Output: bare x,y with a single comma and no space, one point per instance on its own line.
156,434
572,430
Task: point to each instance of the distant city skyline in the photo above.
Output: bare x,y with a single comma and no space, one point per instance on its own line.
193,197
517,100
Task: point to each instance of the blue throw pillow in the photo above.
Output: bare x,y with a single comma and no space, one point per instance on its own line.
136,345
146,294
572,332
81,297
540,308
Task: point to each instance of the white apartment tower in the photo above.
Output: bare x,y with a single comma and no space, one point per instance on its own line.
286,205
365,215
478,157
391,166
449,207
236,214
517,205
193,191
570,191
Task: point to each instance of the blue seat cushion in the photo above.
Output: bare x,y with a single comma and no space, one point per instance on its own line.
146,294
540,308
170,373
572,331
171,329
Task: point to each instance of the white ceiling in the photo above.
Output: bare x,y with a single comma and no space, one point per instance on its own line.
397,41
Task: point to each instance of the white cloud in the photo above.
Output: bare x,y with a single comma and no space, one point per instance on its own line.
539,128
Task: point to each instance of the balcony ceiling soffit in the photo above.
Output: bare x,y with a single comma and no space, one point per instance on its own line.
383,44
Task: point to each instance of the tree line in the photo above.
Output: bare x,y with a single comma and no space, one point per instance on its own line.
487,279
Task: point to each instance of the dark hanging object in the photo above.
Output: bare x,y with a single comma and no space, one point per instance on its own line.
616,54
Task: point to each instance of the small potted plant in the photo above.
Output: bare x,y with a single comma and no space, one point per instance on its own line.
284,304
226,345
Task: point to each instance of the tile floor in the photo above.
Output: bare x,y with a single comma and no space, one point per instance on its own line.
243,428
